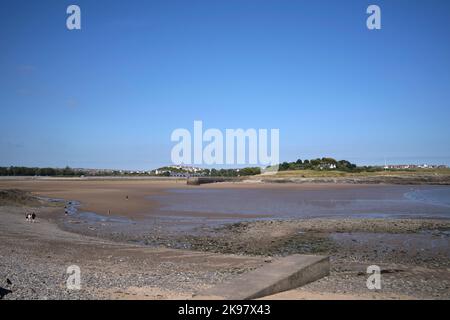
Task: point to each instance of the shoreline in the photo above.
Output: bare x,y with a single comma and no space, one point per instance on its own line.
140,199
414,254
120,269
293,177
35,258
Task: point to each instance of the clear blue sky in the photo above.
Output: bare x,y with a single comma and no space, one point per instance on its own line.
109,95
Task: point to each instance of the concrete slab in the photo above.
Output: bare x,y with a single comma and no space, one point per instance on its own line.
279,275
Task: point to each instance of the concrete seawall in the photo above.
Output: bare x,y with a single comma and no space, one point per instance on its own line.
281,275
196,181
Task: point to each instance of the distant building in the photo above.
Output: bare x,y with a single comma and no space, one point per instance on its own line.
179,171
413,166
327,166
400,166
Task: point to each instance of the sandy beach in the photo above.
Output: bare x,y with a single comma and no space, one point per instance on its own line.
148,257
35,257
101,195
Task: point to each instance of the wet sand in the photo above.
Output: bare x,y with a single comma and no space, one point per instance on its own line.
35,256
110,196
102,195
307,201
99,196
138,199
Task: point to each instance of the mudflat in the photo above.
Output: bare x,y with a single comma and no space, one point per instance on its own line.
99,196
138,199
139,258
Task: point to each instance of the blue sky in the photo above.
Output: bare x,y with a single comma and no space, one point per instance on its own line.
109,95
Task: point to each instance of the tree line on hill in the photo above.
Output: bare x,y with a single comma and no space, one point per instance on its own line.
325,164
61,172
250,171
27,171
